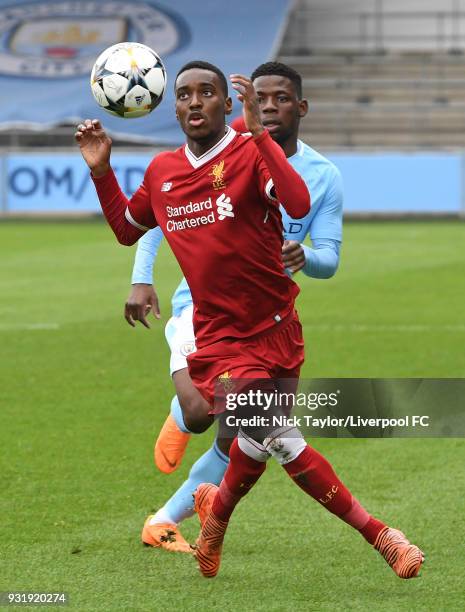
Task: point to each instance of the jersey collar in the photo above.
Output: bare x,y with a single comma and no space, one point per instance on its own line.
197,162
299,152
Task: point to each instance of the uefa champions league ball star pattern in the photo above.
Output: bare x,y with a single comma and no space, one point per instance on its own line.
128,80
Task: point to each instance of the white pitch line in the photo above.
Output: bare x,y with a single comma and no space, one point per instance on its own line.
28,326
387,328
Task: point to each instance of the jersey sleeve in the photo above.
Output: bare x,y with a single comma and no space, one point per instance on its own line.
322,260
238,124
129,219
266,185
279,181
139,210
147,249
327,222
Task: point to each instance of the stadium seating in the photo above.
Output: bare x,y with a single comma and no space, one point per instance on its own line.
373,86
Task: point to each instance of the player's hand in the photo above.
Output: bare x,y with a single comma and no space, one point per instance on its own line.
95,146
247,95
293,256
140,302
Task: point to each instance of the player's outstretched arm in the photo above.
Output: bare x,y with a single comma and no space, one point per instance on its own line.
322,258
290,188
319,261
146,255
95,147
143,298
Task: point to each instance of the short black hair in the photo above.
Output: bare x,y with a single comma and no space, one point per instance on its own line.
205,66
279,69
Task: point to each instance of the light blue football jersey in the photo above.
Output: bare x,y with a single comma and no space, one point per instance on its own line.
323,223
182,297
324,182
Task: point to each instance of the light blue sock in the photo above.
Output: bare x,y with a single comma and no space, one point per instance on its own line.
209,468
176,413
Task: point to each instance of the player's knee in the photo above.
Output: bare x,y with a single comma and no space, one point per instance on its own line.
195,414
285,445
251,448
197,424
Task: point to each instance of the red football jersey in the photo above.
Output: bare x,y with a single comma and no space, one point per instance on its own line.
238,124
219,216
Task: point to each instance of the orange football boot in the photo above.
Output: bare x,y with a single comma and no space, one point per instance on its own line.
209,544
170,446
203,500
404,558
164,535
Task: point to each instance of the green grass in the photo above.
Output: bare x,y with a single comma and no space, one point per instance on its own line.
82,396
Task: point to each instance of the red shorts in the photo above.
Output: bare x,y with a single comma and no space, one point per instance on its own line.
277,353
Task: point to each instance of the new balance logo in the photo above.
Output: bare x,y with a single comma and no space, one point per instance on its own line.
225,208
166,186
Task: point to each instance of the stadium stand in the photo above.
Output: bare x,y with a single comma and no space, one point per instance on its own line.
384,75
379,74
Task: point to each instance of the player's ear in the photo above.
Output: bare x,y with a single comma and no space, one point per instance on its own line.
228,106
303,108
175,104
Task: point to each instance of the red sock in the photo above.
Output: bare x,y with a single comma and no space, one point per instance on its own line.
314,474
240,476
371,530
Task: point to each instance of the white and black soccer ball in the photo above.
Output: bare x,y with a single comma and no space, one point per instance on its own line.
128,80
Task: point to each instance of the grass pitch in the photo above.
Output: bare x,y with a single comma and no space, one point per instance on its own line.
82,396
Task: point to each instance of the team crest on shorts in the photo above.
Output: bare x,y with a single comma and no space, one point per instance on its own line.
187,348
226,381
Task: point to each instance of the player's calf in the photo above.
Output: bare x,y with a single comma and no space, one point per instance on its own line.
196,417
194,407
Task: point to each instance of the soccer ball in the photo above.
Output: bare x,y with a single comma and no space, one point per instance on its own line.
128,80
